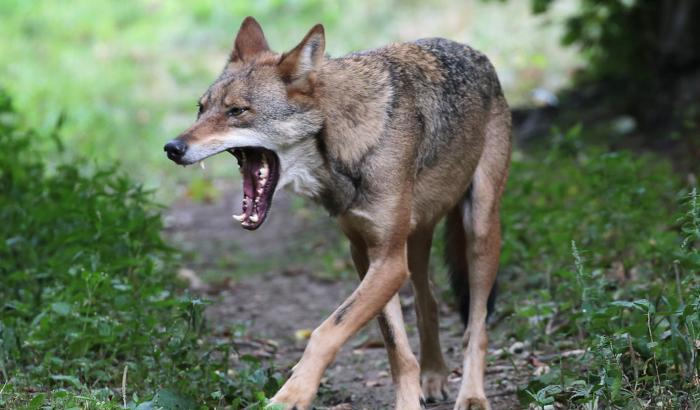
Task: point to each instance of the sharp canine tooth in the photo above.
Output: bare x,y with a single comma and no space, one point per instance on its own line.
254,218
239,218
201,165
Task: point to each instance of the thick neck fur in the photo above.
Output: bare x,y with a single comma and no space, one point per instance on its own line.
352,94
303,169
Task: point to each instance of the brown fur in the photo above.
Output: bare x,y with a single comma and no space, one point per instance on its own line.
390,140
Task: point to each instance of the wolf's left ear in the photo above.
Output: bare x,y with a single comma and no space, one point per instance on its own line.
296,65
250,41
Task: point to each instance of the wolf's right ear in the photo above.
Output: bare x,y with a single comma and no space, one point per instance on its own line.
250,41
297,65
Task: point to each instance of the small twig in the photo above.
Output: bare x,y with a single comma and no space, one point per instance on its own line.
500,369
653,352
4,373
549,328
633,360
126,368
3,386
504,392
568,353
678,281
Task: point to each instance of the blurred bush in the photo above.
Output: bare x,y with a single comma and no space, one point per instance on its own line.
643,57
126,75
633,39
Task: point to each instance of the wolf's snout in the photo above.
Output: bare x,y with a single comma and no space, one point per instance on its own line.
175,149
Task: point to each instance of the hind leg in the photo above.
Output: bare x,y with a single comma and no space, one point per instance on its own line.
433,370
404,367
483,241
482,228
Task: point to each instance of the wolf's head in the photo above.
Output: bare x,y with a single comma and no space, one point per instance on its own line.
261,109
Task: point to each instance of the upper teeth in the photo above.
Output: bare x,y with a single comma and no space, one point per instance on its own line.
250,213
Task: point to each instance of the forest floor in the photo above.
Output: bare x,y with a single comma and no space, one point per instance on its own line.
281,303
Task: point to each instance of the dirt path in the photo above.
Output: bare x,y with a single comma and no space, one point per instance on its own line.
276,305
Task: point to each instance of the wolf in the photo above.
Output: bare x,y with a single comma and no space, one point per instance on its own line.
390,141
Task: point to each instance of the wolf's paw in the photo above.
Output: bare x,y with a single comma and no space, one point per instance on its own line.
410,400
434,385
472,403
291,398
408,393
276,405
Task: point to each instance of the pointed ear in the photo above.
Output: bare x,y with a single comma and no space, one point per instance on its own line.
297,64
250,41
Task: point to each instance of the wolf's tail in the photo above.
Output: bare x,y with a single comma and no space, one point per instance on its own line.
456,260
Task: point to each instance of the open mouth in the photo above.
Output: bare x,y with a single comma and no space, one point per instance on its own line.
260,172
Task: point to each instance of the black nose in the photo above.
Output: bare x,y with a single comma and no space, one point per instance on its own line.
176,149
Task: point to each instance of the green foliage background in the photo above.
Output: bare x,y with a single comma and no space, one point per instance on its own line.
80,244
124,76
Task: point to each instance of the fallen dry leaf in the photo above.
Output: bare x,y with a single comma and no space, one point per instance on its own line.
371,344
540,366
617,272
193,281
302,334
341,406
373,383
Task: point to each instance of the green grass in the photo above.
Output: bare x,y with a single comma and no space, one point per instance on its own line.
90,306
601,253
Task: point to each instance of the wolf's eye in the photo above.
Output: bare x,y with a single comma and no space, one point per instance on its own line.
236,111
200,109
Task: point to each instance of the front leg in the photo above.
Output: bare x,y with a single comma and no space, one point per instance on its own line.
404,366
387,272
